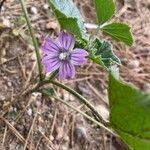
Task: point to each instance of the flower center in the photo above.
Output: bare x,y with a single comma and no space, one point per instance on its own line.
63,56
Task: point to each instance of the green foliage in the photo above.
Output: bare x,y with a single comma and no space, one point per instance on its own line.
130,114
120,32
48,91
81,43
12,114
69,17
102,53
105,9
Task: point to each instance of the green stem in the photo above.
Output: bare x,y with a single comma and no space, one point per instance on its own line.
85,115
77,95
53,75
95,32
35,43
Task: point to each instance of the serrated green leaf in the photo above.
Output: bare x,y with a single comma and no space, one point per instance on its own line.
105,9
120,32
104,55
69,17
130,114
81,43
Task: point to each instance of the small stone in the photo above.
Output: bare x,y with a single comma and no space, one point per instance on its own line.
33,10
66,95
42,130
2,98
11,109
38,103
60,133
50,116
6,22
66,138
146,87
64,147
51,25
103,111
36,95
3,9
15,109
51,138
3,52
45,6
40,120
9,84
29,112
3,60
133,64
81,132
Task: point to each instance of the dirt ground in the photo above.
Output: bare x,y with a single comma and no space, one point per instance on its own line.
38,123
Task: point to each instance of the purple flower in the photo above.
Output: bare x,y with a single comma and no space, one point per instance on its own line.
60,54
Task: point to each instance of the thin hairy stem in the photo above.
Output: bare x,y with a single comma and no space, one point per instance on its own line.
85,115
54,74
73,92
80,97
35,43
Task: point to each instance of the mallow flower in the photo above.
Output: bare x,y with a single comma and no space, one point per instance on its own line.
60,54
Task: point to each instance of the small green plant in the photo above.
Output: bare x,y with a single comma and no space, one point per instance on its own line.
129,107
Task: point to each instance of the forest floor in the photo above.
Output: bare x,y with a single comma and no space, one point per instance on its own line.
38,123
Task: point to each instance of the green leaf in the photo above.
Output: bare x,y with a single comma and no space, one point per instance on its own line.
105,9
48,91
103,54
120,32
130,114
69,17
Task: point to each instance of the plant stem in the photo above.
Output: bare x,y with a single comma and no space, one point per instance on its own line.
34,40
53,75
77,95
85,115
80,97
94,33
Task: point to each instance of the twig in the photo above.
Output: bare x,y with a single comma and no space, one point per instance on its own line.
54,122
96,92
71,143
29,76
4,137
8,60
47,139
31,128
34,40
18,135
36,147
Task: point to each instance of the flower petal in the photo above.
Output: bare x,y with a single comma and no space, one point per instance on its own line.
50,46
78,56
51,64
66,71
49,57
66,40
